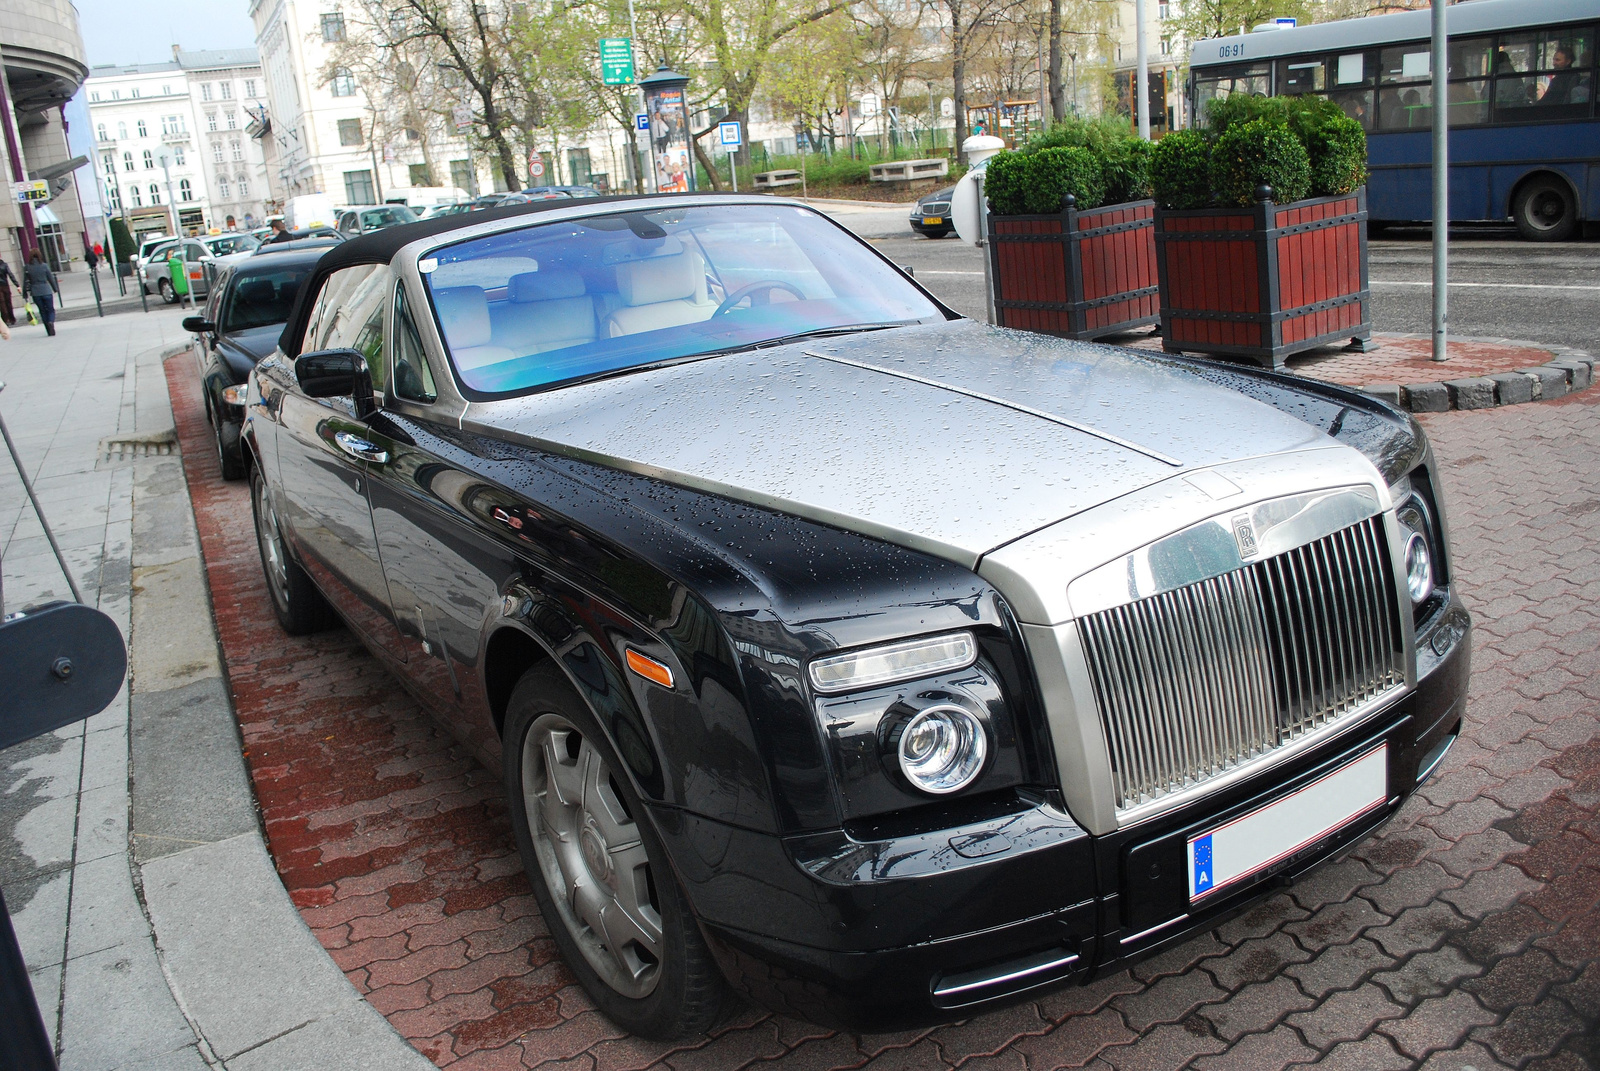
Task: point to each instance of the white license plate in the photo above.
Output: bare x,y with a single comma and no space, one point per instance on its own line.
1253,842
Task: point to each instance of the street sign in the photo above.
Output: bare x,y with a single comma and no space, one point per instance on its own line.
37,190
535,166
463,117
730,135
616,61
641,121
1286,24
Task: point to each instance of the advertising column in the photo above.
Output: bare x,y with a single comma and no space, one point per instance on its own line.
666,103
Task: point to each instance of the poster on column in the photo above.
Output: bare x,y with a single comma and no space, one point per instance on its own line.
669,141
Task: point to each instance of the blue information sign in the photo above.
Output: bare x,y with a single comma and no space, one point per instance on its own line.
641,121
730,134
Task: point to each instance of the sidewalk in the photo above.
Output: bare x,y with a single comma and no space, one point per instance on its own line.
154,925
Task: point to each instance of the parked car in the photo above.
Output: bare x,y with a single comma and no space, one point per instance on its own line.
930,216
308,239
354,221
885,665
418,198
147,246
222,245
446,210
546,193
156,277
239,326
487,200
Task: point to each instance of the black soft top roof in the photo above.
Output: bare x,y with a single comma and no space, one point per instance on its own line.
379,247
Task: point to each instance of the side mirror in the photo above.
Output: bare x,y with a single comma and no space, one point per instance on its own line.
337,374
199,325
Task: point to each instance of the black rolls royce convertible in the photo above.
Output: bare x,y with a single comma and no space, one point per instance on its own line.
874,663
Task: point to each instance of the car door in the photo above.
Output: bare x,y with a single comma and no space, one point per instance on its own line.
428,509
323,453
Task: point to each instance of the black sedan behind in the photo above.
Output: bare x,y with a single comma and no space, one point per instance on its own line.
931,214
240,325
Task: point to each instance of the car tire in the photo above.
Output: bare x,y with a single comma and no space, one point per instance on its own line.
165,289
230,453
296,602
1545,210
662,983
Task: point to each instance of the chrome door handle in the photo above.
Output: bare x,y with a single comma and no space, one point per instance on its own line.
357,447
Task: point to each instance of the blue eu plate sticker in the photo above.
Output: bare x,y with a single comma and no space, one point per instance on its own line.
1200,851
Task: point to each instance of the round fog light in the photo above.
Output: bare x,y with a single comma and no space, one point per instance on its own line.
1419,568
942,749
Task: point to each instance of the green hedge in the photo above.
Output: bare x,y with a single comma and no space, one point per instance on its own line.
1335,143
1096,160
1180,170
1255,154
121,241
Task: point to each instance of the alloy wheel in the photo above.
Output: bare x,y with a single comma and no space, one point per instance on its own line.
271,540
591,856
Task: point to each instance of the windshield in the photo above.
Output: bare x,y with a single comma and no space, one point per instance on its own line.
578,298
233,243
262,298
387,216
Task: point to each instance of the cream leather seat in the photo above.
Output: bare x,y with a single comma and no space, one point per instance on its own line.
544,310
660,292
464,315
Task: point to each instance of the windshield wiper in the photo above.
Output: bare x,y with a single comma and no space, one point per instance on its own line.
816,332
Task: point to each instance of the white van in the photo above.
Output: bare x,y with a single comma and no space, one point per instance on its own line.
309,210
419,197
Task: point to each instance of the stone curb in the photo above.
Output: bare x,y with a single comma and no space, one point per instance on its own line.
1568,372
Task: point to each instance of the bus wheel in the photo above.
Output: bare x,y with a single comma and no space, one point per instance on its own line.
1545,210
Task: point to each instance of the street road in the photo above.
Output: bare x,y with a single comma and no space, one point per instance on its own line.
1500,287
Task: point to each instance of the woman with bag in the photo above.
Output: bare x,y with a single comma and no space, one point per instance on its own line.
39,285
8,279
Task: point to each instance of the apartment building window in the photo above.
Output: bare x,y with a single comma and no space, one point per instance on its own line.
350,132
122,131
95,95
134,92
333,27
418,174
127,161
413,134
343,83
211,120
578,167
358,188
461,175
216,152
177,155
1166,46
222,186
113,199
249,87
1163,10
205,90
233,121
144,131
116,94
133,189
149,161
244,188
155,194
238,152
100,133
166,91
111,166
185,191
227,90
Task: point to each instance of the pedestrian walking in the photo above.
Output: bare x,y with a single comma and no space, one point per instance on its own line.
8,278
280,233
39,285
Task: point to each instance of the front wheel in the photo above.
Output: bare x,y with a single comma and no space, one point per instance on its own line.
168,294
598,871
230,452
1545,210
296,602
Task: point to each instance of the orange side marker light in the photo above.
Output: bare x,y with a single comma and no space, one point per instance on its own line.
649,668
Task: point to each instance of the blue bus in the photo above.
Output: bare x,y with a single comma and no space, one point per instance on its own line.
1524,136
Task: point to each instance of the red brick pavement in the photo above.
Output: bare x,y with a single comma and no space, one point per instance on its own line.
1466,934
1403,359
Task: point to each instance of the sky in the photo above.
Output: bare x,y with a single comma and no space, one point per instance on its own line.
144,31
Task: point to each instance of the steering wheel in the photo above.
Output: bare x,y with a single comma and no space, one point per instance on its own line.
755,288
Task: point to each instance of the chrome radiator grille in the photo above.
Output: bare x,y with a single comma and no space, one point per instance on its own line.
1195,682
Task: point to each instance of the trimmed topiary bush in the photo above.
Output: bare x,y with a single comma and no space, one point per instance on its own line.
1127,170
1335,143
1259,153
1006,184
1054,173
1180,170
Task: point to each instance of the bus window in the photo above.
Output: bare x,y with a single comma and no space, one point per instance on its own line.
1470,58
1469,103
1225,81
1297,77
1405,96
1355,69
1544,75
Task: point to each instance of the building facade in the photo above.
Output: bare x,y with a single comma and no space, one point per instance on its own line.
171,142
42,54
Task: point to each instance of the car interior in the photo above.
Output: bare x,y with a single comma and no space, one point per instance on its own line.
262,300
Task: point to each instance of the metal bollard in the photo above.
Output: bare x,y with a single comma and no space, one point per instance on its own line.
94,281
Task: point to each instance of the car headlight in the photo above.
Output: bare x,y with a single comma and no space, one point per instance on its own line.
941,749
238,394
893,662
1415,526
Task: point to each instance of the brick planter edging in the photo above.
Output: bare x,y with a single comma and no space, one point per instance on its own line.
1568,371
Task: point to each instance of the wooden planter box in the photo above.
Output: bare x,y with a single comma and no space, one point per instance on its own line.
1078,274
1266,281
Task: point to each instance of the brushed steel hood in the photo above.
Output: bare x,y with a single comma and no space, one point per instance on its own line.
953,438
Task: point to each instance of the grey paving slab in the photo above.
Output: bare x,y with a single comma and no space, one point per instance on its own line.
347,1042
186,791
38,908
117,1010
102,823
105,912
